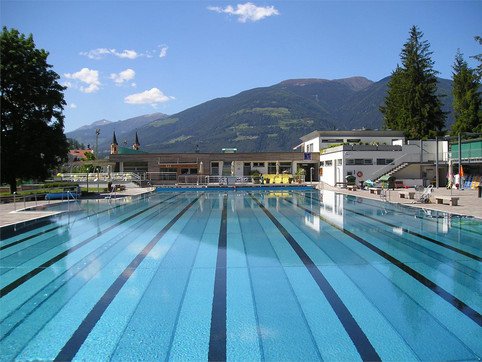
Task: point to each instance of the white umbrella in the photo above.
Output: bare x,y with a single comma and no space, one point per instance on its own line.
201,168
232,168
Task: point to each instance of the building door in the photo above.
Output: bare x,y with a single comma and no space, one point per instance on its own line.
247,169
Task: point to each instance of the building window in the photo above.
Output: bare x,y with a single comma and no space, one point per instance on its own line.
353,140
329,163
309,147
349,161
215,168
384,161
322,163
333,140
258,164
271,167
285,167
339,162
363,161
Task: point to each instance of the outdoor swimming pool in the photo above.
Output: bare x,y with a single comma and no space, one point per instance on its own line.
238,275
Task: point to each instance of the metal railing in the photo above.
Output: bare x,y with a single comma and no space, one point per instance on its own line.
229,180
100,176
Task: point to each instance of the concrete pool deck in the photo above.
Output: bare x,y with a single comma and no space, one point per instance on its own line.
468,204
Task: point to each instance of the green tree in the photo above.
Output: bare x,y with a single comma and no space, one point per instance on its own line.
467,101
411,104
32,137
478,57
74,144
89,156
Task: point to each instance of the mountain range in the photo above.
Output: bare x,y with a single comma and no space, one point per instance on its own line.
261,119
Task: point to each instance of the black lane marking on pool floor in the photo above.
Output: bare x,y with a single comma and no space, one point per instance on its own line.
360,340
51,294
55,228
448,297
217,339
70,349
16,283
414,233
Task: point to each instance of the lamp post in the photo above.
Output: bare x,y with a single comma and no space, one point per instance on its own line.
436,162
97,133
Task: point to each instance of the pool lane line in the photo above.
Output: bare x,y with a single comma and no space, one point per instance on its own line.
424,237
19,281
414,233
217,336
55,228
360,340
70,349
437,289
66,280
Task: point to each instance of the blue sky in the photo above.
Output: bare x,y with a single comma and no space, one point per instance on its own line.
122,59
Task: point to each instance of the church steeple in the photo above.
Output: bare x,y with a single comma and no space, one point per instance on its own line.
136,144
114,147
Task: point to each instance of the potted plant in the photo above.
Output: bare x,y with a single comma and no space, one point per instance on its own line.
300,175
256,175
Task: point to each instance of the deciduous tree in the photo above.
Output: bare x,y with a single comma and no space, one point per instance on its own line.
32,137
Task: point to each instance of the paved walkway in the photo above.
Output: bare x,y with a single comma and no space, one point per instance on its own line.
469,203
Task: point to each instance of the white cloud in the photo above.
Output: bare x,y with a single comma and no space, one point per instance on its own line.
124,76
96,53
129,54
87,76
247,12
163,51
101,53
72,105
152,96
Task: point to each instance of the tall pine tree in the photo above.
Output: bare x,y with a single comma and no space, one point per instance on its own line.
478,57
411,104
467,101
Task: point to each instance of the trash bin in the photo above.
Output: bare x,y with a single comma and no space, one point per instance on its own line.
388,182
350,180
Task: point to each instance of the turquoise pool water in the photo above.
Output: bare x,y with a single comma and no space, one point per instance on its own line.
278,275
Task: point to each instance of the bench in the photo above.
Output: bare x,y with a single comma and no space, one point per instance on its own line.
406,194
375,190
351,187
451,200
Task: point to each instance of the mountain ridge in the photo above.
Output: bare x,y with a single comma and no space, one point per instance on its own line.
268,118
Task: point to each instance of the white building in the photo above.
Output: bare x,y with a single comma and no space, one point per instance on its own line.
368,154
